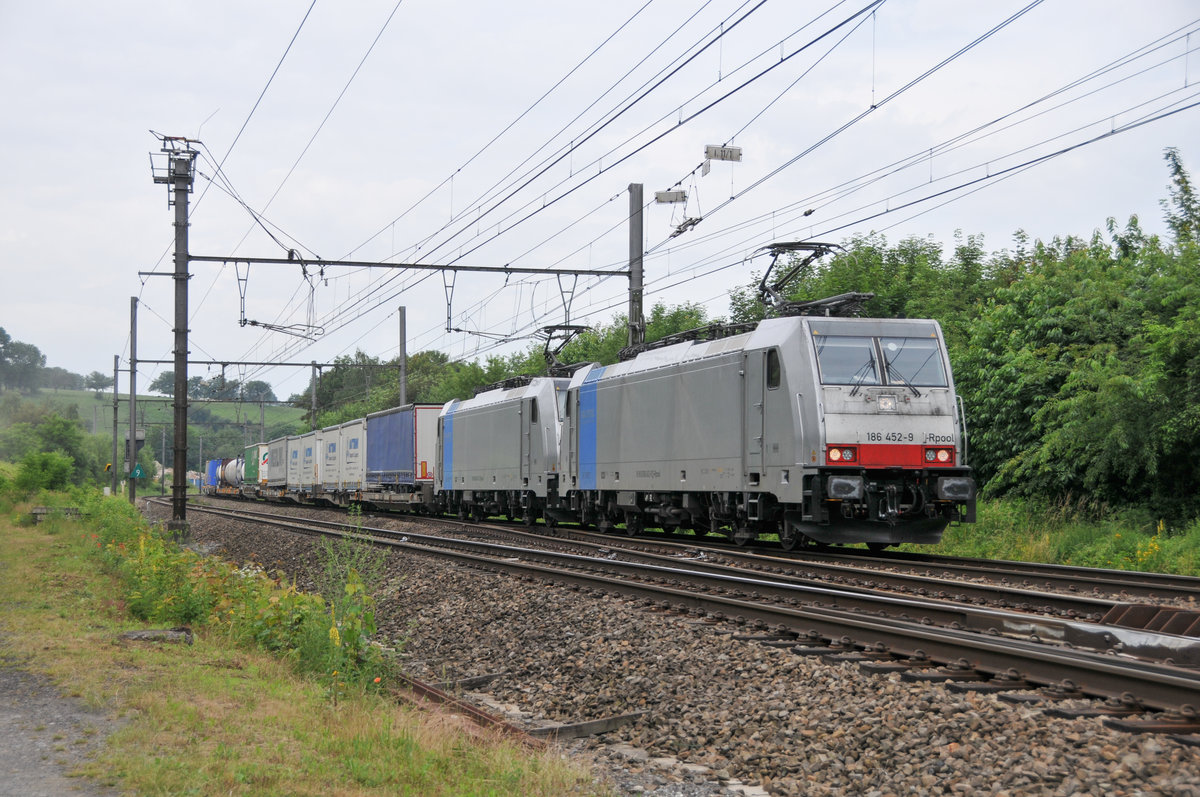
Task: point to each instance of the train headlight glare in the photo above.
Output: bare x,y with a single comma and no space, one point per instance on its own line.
943,455
887,403
835,454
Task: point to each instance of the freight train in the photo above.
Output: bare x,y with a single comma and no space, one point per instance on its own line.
822,430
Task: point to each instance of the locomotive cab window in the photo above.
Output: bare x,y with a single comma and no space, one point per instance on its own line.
854,360
773,371
913,361
847,360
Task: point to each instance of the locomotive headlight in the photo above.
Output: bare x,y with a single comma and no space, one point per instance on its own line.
941,456
887,403
841,454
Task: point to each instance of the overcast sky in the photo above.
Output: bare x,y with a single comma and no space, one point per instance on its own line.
484,133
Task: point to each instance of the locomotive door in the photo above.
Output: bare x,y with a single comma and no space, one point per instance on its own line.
571,436
528,422
752,416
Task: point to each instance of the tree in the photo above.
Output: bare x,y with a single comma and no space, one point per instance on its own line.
60,379
98,382
257,390
164,383
20,364
604,344
66,436
1183,208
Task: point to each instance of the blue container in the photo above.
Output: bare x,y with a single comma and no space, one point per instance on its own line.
391,447
214,469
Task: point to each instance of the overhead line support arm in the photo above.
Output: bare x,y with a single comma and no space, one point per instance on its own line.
283,261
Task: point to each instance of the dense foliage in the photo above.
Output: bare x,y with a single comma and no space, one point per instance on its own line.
360,385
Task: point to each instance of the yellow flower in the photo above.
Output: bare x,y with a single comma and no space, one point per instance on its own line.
334,636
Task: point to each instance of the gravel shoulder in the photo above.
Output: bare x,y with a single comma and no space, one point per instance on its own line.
44,736
722,712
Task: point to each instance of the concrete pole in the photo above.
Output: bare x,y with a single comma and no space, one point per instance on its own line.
181,176
116,466
403,358
637,326
313,391
162,482
132,396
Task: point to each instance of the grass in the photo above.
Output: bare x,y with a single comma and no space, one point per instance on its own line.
158,409
219,717
1064,534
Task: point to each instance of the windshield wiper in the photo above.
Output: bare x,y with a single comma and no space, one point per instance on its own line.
893,373
860,375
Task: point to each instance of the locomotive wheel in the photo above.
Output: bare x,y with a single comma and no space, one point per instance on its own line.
743,536
878,547
529,516
789,540
633,524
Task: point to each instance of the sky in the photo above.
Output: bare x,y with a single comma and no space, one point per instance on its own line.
478,133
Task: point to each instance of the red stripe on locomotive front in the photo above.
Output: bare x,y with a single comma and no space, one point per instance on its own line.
891,455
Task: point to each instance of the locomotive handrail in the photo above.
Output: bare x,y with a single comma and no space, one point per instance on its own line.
962,421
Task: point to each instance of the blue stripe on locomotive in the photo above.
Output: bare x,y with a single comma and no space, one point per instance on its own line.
587,429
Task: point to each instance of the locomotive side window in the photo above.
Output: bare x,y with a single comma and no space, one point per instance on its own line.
846,360
773,370
913,361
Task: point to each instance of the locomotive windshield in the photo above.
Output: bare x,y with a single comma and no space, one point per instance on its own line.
913,361
859,360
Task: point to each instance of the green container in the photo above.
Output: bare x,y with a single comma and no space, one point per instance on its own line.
253,456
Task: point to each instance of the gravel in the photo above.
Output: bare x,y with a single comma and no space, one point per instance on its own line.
725,716
45,736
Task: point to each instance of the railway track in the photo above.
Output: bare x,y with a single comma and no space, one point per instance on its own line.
929,640
1025,575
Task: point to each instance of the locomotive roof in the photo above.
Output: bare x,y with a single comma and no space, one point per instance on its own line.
886,327
539,385
769,332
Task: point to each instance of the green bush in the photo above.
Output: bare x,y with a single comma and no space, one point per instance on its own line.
1074,533
46,470
167,584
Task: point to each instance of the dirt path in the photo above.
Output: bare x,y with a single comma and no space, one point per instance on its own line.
44,736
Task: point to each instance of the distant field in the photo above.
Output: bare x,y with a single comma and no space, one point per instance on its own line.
158,409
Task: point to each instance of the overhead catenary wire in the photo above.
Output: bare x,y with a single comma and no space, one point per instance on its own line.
724,30
679,248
